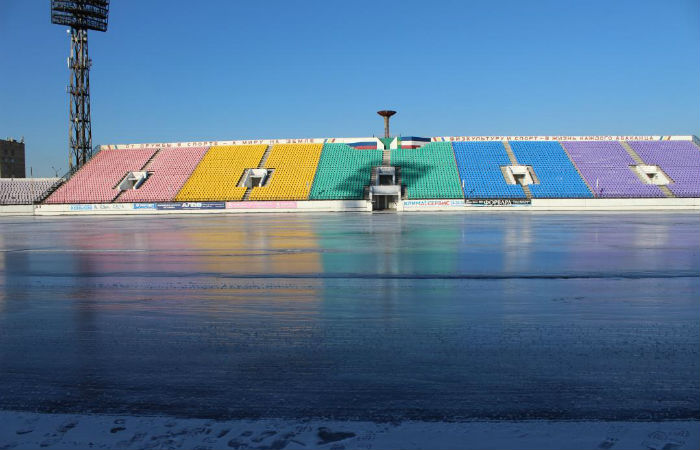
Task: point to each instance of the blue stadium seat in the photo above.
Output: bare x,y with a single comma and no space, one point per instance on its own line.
558,178
479,166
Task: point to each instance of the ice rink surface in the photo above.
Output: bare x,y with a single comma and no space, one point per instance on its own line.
385,317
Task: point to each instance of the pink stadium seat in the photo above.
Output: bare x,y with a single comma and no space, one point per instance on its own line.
97,180
168,171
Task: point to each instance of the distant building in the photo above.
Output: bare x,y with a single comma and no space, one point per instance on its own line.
12,158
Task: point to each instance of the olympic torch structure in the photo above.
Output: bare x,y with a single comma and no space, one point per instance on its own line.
386,114
80,16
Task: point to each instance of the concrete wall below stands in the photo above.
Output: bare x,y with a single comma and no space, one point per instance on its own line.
639,204
205,207
616,204
19,210
582,204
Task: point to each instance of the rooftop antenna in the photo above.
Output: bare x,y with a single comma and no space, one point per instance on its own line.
80,16
386,114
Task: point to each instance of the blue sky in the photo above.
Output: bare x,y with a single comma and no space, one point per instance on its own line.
181,71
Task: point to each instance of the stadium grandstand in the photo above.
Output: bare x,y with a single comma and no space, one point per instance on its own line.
25,191
462,170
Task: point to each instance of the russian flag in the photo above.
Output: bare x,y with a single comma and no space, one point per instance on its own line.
414,141
370,145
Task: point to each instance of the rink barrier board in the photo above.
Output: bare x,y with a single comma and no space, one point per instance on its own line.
294,206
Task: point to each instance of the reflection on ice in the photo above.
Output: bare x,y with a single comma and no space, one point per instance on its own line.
375,316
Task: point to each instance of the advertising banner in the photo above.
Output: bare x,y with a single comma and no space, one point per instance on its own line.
81,207
214,143
559,138
405,141
111,206
498,202
432,203
100,207
262,205
144,206
190,206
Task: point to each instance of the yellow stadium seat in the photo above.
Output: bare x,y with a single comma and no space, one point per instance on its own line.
294,170
218,173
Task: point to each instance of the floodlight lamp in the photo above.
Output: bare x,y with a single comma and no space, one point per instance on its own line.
81,14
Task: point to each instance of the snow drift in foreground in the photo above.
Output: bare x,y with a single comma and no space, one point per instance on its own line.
69,431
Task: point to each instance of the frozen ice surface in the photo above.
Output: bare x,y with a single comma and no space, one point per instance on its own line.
353,316
20,430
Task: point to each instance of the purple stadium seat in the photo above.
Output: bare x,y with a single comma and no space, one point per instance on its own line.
25,191
605,167
679,159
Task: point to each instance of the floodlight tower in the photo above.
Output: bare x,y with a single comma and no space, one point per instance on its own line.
80,16
386,114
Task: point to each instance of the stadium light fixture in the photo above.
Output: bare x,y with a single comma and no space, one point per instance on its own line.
80,16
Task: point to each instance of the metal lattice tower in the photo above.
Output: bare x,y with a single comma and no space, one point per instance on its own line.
81,16
80,135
